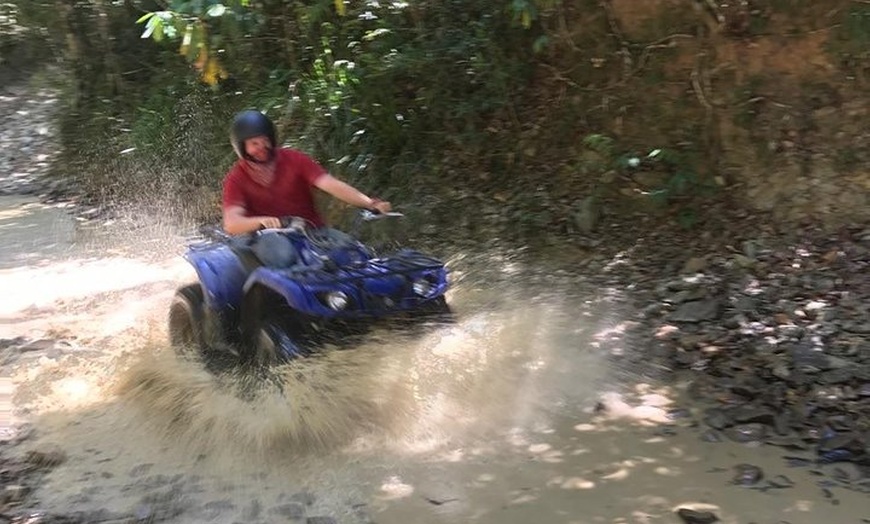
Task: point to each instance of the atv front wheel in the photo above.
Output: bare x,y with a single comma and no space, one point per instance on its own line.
268,329
185,321
272,345
437,306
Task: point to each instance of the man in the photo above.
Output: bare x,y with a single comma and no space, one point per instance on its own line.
268,182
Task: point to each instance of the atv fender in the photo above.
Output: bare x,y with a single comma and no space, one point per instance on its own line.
278,282
221,274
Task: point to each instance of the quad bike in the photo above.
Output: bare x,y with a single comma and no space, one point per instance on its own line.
277,294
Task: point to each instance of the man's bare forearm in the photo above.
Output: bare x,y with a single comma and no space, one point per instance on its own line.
345,192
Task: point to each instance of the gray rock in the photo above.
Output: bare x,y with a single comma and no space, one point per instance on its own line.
746,432
690,516
747,475
862,328
695,265
253,510
303,497
214,509
141,469
13,494
718,419
745,304
688,295
699,311
160,505
45,458
836,376
291,510
587,214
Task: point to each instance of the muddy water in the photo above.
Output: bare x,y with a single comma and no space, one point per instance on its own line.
488,419
32,232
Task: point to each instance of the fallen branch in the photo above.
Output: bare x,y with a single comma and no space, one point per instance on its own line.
658,44
563,27
756,99
699,91
561,76
670,37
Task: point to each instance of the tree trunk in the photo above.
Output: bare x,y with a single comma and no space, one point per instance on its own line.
111,64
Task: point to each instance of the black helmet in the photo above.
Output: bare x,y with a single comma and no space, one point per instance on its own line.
249,124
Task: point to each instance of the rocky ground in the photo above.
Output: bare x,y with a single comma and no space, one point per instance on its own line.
771,331
27,139
768,327
27,147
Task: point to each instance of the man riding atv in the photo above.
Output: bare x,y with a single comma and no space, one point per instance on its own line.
268,293
268,182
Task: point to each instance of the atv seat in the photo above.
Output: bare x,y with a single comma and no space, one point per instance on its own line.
274,250
246,256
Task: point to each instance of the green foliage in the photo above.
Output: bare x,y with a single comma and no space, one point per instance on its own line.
366,85
851,42
23,41
856,26
390,95
526,12
847,159
389,89
201,26
10,27
421,102
674,180
599,143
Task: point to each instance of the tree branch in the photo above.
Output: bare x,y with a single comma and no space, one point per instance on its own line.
714,10
617,32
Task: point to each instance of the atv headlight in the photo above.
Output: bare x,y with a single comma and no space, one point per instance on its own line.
336,300
422,287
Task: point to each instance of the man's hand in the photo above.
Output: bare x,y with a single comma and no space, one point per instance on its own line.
350,195
269,222
381,206
236,222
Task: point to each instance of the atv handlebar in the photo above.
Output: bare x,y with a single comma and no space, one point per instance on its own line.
289,224
293,224
367,215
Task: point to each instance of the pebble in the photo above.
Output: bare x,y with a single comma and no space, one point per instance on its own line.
690,516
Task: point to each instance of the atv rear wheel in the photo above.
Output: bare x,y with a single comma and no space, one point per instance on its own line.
185,321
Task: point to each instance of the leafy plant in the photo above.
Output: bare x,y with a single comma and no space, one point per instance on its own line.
599,143
680,181
195,23
851,42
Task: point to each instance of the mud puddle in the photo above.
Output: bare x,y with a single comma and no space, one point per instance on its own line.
490,419
33,233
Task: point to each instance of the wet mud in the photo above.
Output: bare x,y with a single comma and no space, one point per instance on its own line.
539,403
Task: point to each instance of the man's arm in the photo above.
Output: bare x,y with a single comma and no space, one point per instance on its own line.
349,194
236,223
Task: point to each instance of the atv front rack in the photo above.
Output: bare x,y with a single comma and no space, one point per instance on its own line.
376,287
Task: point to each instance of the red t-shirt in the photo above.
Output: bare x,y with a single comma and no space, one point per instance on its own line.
289,194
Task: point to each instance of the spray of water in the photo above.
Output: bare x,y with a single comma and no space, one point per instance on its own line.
313,403
412,392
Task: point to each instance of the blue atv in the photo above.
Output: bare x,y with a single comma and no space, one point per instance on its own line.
279,294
